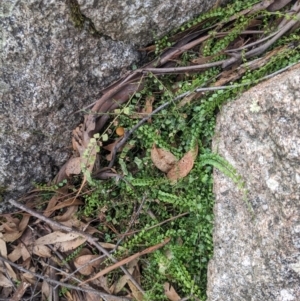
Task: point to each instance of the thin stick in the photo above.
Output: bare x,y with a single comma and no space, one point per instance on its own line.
20,291
183,69
128,259
159,224
135,215
259,50
51,281
88,237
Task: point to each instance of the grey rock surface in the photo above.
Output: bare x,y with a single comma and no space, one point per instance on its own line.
49,69
257,256
141,21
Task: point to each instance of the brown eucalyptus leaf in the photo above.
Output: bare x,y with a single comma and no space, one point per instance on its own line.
68,215
15,254
56,237
135,292
73,166
121,282
84,260
170,292
4,282
24,252
3,252
162,159
182,168
46,290
42,251
70,245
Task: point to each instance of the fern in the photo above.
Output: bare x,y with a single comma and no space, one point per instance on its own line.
222,165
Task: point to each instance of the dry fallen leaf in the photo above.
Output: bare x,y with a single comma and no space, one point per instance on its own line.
135,292
148,107
15,254
3,252
73,166
46,289
14,228
55,237
4,282
20,291
70,245
110,148
84,260
170,292
42,251
69,215
162,159
182,168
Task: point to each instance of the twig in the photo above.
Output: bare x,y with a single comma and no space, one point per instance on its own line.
183,69
20,291
280,71
189,297
253,44
51,281
159,224
259,50
128,259
135,215
89,238
69,276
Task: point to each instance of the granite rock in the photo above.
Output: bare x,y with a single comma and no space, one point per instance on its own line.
49,70
54,63
141,21
257,253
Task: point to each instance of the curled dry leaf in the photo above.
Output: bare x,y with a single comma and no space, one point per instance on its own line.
162,159
88,268
15,228
66,203
182,168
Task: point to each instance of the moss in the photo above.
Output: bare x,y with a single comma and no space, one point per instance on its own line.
80,21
